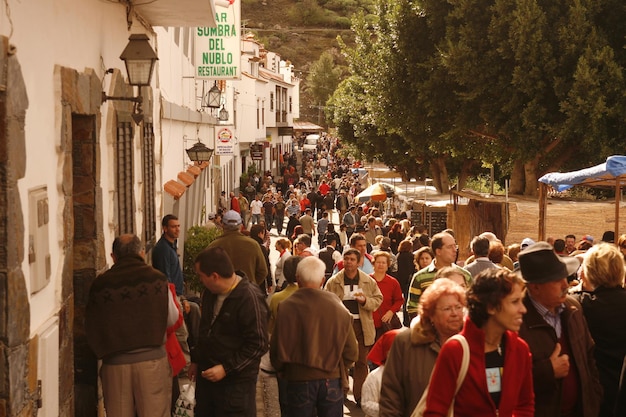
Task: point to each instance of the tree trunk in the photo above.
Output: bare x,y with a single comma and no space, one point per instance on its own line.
464,174
530,173
436,174
517,178
440,175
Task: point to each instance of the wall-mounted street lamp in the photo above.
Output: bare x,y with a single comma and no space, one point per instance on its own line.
223,114
212,98
199,152
139,59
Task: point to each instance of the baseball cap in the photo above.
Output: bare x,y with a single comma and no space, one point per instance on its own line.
587,238
526,242
231,217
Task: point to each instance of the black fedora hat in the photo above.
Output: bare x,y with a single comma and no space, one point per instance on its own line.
540,264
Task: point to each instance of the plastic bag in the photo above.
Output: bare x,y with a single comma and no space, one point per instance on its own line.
186,401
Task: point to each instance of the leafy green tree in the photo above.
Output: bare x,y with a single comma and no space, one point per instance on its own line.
528,86
323,79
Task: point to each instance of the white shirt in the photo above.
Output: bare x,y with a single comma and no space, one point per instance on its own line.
256,206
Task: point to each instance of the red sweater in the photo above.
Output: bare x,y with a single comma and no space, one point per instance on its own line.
473,399
392,298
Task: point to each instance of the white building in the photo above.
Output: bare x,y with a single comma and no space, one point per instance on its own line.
76,172
266,103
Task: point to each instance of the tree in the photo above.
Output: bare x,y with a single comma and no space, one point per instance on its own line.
530,86
322,80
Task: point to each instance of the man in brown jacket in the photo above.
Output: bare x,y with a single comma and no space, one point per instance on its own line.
313,344
565,376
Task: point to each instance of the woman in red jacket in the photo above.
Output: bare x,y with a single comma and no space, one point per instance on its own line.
499,379
385,317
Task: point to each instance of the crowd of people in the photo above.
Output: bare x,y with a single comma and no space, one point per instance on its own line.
372,297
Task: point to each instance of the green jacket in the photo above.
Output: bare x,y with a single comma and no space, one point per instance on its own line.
244,253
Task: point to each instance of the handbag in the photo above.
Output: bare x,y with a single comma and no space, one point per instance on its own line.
394,323
421,405
186,401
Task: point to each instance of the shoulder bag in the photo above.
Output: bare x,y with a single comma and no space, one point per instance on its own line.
421,405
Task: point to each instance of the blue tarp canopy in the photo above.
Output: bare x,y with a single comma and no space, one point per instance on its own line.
612,174
608,174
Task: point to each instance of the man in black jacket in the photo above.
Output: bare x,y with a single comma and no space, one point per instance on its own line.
329,255
233,337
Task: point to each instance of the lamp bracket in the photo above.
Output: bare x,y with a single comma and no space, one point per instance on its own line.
137,99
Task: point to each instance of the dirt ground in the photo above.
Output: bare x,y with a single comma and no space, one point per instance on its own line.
563,217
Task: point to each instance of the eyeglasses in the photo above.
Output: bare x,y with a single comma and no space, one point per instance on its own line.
448,310
455,247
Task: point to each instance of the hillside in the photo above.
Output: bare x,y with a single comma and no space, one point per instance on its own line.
300,31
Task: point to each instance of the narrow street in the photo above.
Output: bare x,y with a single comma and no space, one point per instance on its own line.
349,407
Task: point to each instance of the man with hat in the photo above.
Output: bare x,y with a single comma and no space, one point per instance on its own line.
564,371
243,251
526,242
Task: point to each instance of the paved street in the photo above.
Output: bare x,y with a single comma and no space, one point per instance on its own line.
349,408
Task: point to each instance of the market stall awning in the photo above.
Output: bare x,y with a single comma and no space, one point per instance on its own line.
606,174
611,173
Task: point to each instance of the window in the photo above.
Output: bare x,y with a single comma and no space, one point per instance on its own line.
290,104
263,113
149,210
281,104
257,114
271,101
125,175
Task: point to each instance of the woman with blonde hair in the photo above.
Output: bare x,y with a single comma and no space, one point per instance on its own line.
621,245
603,300
453,274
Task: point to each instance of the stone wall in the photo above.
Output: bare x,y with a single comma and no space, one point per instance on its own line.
18,363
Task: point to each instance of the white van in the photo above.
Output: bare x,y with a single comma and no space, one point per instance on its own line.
310,142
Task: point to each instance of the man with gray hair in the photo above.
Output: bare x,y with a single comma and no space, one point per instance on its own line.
506,261
480,248
244,252
313,345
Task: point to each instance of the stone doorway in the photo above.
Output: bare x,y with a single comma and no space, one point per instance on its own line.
84,180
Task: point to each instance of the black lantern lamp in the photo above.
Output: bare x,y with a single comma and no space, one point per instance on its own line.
199,152
223,114
139,58
213,98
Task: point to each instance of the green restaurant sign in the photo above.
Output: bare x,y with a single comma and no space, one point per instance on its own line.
218,49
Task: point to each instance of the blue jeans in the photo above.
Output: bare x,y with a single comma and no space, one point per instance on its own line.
324,396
